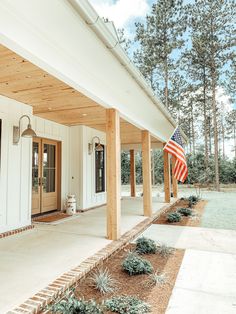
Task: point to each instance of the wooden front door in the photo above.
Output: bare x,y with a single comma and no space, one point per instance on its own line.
45,176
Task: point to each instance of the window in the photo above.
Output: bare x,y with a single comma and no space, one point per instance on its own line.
100,170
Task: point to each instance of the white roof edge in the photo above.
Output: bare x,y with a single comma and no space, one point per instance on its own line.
91,17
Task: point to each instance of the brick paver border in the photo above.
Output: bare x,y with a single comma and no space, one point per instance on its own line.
15,231
69,279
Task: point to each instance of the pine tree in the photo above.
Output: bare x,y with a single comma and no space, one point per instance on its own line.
195,63
212,25
158,38
231,127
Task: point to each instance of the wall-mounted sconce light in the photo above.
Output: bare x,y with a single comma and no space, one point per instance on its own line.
29,132
91,146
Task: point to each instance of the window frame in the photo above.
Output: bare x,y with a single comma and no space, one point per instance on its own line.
103,178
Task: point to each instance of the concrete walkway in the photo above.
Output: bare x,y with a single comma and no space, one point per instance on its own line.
205,284
208,239
33,259
207,278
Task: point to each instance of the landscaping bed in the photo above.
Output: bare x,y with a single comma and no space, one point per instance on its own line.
141,285
193,220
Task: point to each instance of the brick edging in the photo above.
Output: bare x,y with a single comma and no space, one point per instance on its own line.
44,297
15,231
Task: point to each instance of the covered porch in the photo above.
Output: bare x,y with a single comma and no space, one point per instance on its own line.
32,260
78,88
78,120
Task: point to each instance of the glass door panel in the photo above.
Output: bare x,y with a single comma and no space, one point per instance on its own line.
49,175
44,175
36,174
35,168
49,168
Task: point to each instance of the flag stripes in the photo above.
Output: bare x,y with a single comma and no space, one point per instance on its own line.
175,147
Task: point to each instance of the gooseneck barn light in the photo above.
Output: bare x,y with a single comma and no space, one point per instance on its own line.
28,132
98,147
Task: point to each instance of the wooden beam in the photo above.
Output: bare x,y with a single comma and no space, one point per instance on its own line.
147,180
113,174
166,176
132,174
174,181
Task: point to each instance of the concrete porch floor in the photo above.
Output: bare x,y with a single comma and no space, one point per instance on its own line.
33,259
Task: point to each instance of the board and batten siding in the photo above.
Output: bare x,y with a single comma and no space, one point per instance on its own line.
16,170
82,181
15,173
78,167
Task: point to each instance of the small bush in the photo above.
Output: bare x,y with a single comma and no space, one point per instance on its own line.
146,246
135,265
164,250
174,217
103,281
71,305
193,199
127,305
156,279
185,211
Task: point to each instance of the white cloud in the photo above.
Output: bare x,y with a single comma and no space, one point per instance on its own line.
122,11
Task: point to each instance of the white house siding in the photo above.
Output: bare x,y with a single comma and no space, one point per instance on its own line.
78,167
15,175
82,180
15,172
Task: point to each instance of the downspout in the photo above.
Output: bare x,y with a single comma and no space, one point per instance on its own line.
91,18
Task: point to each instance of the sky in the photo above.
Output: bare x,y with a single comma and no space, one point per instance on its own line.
124,13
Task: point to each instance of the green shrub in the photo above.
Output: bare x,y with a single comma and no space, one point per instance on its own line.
193,199
164,250
185,211
146,246
71,305
135,265
156,279
127,305
103,281
174,217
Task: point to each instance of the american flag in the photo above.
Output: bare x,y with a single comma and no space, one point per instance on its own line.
175,147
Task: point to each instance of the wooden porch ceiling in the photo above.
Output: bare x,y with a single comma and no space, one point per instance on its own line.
54,100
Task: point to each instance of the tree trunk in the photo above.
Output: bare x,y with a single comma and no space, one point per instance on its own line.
209,130
214,109
166,84
189,136
234,139
205,121
223,140
192,129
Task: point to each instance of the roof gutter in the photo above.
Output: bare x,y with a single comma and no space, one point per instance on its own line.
90,16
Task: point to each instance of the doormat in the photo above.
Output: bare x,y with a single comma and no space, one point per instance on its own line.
51,218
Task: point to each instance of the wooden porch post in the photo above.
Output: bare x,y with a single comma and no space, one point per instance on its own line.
174,181
113,174
166,176
132,173
147,180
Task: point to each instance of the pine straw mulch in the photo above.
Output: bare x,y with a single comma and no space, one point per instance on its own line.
157,296
194,221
